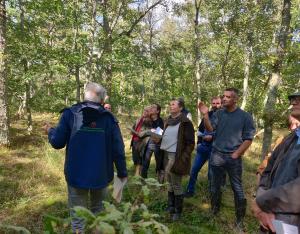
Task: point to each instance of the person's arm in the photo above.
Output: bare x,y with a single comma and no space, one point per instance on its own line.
144,133
59,136
118,152
204,111
208,138
189,136
247,136
242,149
265,219
281,199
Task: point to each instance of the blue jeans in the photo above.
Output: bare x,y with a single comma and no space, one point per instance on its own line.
220,164
203,153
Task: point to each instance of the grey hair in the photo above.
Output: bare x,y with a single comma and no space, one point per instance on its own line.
94,92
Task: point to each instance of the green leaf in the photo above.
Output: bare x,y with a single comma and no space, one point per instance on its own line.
51,222
85,213
146,191
105,228
126,228
153,182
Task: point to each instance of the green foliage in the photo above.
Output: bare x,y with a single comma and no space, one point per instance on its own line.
55,39
125,218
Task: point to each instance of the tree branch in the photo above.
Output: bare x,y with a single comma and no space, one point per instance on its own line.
133,25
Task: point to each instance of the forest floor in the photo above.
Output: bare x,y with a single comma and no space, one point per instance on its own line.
32,185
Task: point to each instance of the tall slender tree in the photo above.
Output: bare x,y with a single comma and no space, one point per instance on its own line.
275,77
4,125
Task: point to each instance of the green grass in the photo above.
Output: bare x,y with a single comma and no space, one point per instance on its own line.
32,185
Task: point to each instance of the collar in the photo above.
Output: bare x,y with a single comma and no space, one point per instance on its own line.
297,131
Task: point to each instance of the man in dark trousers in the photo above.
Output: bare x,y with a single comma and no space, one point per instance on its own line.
94,145
204,146
278,192
234,131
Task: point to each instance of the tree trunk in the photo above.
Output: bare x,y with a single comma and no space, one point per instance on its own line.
92,37
275,80
248,55
4,123
197,57
108,48
77,77
27,82
28,102
226,60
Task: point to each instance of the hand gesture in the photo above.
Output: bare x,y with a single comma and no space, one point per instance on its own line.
203,108
46,127
235,155
208,138
265,219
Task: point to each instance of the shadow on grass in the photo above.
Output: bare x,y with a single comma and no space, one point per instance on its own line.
34,221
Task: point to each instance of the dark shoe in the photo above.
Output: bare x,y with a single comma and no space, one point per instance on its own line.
188,194
240,212
171,203
240,228
178,207
144,173
176,217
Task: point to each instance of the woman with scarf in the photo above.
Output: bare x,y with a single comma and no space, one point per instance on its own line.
140,137
178,143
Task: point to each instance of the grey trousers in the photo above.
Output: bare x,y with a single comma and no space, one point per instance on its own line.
173,179
88,198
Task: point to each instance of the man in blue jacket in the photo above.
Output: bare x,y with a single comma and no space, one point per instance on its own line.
94,145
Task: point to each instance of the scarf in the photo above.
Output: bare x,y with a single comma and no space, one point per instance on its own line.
174,121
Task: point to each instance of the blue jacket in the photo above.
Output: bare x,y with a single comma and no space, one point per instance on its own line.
94,144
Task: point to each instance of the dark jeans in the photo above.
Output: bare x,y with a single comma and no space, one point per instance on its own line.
221,163
203,153
152,148
88,198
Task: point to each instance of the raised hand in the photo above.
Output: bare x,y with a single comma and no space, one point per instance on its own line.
203,108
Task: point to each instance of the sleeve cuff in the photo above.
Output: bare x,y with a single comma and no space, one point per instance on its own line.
122,175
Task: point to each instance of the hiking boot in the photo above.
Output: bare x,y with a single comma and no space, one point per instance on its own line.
178,207
171,203
240,211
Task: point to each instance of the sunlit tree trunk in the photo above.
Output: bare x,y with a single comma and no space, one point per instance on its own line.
78,85
4,123
197,58
91,43
27,81
248,55
275,79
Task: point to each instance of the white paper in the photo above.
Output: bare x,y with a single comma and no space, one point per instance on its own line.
158,131
283,228
118,188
